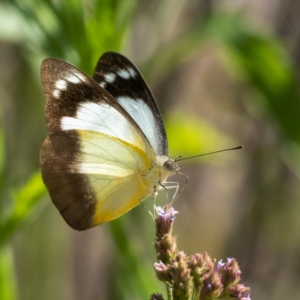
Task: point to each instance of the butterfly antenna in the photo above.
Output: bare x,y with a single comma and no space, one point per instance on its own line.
179,158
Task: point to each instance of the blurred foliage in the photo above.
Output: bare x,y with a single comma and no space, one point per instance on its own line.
260,61
187,135
8,285
78,32
71,30
24,201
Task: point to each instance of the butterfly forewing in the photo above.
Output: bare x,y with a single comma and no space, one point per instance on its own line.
95,159
117,75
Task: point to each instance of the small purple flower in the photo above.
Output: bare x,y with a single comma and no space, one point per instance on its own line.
229,259
219,265
166,212
160,211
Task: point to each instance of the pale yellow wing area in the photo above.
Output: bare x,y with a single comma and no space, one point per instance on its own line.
116,172
93,177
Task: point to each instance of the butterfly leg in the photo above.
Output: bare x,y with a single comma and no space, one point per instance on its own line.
154,201
151,214
171,186
178,192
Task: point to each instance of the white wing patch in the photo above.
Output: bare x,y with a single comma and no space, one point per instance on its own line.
56,93
132,72
61,84
143,116
105,119
126,73
75,78
102,84
110,77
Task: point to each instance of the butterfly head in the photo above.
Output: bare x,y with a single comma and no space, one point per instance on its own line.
171,165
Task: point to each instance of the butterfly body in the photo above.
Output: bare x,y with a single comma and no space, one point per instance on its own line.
107,147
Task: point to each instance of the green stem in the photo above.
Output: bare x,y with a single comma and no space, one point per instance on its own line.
169,292
7,277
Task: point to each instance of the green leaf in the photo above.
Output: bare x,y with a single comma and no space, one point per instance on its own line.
7,281
25,201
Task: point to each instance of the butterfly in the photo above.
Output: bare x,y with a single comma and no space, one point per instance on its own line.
107,149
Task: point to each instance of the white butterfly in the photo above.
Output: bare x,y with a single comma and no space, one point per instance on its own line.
107,148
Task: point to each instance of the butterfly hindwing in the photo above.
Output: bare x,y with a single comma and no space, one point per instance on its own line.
87,183
95,156
116,74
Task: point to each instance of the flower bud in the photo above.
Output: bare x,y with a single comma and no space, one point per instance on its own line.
181,277
240,292
162,272
231,273
212,286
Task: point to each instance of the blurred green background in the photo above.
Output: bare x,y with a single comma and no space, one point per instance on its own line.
224,73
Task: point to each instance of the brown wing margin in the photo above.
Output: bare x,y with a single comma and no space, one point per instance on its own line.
69,191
